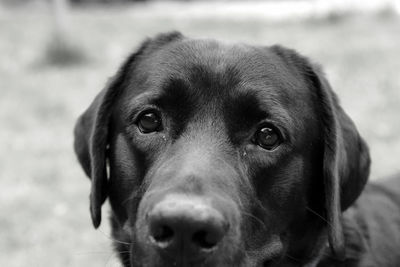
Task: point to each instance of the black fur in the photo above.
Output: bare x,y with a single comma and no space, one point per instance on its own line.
285,206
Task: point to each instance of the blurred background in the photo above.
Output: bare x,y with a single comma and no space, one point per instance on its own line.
56,55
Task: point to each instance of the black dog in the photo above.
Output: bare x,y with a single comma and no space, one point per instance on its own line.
214,154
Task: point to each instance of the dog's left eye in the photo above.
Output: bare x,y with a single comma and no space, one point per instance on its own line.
267,137
149,122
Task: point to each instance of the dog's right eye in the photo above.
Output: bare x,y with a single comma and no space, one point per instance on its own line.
267,137
149,122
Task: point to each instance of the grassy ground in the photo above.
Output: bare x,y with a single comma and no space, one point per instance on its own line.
44,219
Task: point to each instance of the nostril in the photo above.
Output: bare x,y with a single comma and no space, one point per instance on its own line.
162,233
205,239
210,235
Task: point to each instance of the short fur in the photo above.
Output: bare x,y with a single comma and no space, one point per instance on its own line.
294,206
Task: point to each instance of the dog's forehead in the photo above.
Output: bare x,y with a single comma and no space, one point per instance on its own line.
214,66
238,77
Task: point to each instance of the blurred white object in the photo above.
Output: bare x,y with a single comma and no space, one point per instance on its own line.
271,10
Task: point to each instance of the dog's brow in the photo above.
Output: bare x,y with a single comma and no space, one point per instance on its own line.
174,92
248,104
136,104
258,105
250,107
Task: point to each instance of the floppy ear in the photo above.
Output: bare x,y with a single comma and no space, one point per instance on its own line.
91,129
346,158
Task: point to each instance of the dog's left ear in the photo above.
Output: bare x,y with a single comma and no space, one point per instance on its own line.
91,129
346,158
91,140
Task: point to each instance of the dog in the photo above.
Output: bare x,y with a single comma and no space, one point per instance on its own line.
218,154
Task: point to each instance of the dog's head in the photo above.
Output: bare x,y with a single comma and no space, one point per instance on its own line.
214,154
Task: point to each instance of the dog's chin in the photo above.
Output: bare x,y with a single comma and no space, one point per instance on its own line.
229,254
150,257
165,261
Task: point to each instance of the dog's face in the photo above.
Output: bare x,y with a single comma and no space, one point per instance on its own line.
220,155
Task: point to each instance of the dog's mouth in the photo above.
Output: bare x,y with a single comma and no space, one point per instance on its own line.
268,254
169,238
221,255
174,249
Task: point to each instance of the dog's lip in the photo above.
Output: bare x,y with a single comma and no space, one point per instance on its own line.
272,249
192,259
163,245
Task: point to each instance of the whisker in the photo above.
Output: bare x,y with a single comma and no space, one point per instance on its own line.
255,218
115,255
90,252
318,215
292,258
110,258
124,252
115,240
135,194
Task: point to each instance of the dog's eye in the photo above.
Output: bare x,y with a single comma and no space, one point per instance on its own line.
267,137
149,122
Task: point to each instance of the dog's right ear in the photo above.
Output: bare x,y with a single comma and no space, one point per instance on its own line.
91,129
346,158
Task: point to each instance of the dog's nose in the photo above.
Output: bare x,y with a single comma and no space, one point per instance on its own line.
186,226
